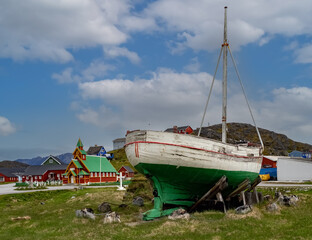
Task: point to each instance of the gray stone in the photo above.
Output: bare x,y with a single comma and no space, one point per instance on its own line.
84,214
288,200
243,209
179,214
138,201
104,207
272,207
267,197
111,218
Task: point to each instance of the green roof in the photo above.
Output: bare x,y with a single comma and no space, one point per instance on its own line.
82,172
73,173
93,164
83,151
79,143
77,163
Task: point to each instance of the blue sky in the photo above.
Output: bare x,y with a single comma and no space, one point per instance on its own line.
95,69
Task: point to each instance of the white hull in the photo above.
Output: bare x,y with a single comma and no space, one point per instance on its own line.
152,147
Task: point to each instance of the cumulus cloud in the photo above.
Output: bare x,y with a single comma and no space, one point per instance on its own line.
94,70
166,96
45,30
172,98
303,54
114,52
6,127
201,22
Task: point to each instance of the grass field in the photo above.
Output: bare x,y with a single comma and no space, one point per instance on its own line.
53,217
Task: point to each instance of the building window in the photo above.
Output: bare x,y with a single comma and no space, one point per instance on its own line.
36,177
58,175
91,174
113,174
40,177
110,174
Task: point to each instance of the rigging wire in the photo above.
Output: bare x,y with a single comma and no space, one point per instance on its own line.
241,83
214,76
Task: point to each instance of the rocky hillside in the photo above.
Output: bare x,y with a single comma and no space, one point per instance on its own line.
275,143
12,164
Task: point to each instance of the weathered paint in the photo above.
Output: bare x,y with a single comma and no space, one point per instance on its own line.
184,167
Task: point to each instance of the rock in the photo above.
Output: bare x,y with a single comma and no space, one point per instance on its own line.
123,206
85,214
179,214
243,209
21,218
73,197
104,207
42,203
138,201
267,197
288,200
293,200
111,217
272,207
90,210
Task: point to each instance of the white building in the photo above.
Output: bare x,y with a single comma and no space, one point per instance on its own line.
294,169
119,143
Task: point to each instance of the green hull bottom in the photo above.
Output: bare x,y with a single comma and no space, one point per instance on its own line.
183,186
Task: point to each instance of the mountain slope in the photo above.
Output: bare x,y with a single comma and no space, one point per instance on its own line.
12,164
274,143
65,158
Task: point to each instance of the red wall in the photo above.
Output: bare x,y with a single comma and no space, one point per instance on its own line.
266,161
9,179
125,172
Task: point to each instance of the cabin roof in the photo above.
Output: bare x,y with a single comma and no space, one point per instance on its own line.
41,169
94,150
129,169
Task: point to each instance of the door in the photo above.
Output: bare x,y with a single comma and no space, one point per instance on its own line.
72,179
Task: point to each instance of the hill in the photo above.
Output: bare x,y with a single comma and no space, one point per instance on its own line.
65,158
12,164
274,143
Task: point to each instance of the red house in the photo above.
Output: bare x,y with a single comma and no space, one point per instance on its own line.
181,130
85,168
44,173
8,175
126,171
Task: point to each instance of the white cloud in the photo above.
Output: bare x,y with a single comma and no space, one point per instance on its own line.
170,98
303,54
6,127
166,97
45,30
201,22
194,65
94,70
114,52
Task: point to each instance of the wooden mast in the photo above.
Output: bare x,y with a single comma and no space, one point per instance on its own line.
224,83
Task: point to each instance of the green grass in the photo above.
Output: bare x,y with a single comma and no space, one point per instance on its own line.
55,219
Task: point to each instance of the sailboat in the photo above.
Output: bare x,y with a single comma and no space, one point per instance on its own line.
183,167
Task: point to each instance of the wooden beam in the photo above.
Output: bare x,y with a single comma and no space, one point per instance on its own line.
218,187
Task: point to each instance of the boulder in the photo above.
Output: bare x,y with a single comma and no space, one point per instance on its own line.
104,207
243,209
111,217
179,214
272,207
83,213
138,201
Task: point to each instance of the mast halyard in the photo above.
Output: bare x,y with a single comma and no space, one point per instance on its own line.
224,83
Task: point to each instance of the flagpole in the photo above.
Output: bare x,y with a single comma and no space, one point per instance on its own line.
100,169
